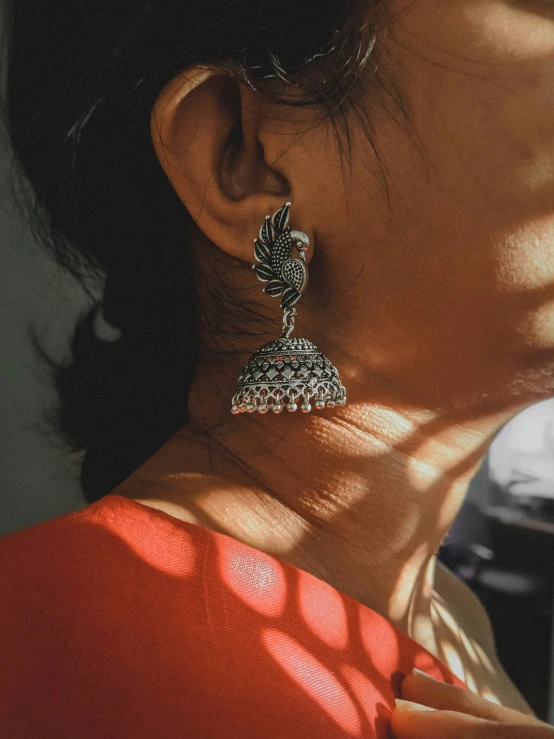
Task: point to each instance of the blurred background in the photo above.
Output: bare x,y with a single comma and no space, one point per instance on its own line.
501,545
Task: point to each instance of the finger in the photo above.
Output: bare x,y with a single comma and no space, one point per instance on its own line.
452,725
421,688
435,725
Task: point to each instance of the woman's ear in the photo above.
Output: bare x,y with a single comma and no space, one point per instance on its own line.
206,132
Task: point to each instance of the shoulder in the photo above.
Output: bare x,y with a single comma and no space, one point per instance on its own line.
55,537
94,543
172,624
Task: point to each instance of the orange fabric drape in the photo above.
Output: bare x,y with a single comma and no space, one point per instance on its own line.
119,620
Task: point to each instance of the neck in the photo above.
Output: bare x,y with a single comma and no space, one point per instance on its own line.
361,496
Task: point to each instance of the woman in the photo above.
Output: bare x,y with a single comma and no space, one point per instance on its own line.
274,574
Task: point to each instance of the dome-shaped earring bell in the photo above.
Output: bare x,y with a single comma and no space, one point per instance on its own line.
287,373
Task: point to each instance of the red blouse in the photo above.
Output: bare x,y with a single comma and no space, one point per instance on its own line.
121,621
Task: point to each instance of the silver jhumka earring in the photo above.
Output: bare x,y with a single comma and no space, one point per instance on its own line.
286,372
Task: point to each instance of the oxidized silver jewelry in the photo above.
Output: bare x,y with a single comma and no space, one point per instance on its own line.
287,372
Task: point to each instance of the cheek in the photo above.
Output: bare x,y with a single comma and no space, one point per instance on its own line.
478,78
477,31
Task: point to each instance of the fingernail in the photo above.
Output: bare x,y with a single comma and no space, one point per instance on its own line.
420,673
408,706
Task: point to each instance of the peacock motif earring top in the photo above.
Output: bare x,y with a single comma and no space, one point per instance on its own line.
284,274
287,372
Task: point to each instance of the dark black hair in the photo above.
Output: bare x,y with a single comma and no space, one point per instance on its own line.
83,76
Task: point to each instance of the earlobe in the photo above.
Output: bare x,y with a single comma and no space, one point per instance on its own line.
204,128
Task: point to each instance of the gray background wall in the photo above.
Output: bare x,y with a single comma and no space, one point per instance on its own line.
37,480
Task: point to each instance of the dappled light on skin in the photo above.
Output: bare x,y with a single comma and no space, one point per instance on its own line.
400,599
537,323
322,626
255,578
393,426
314,678
322,610
523,266
422,473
